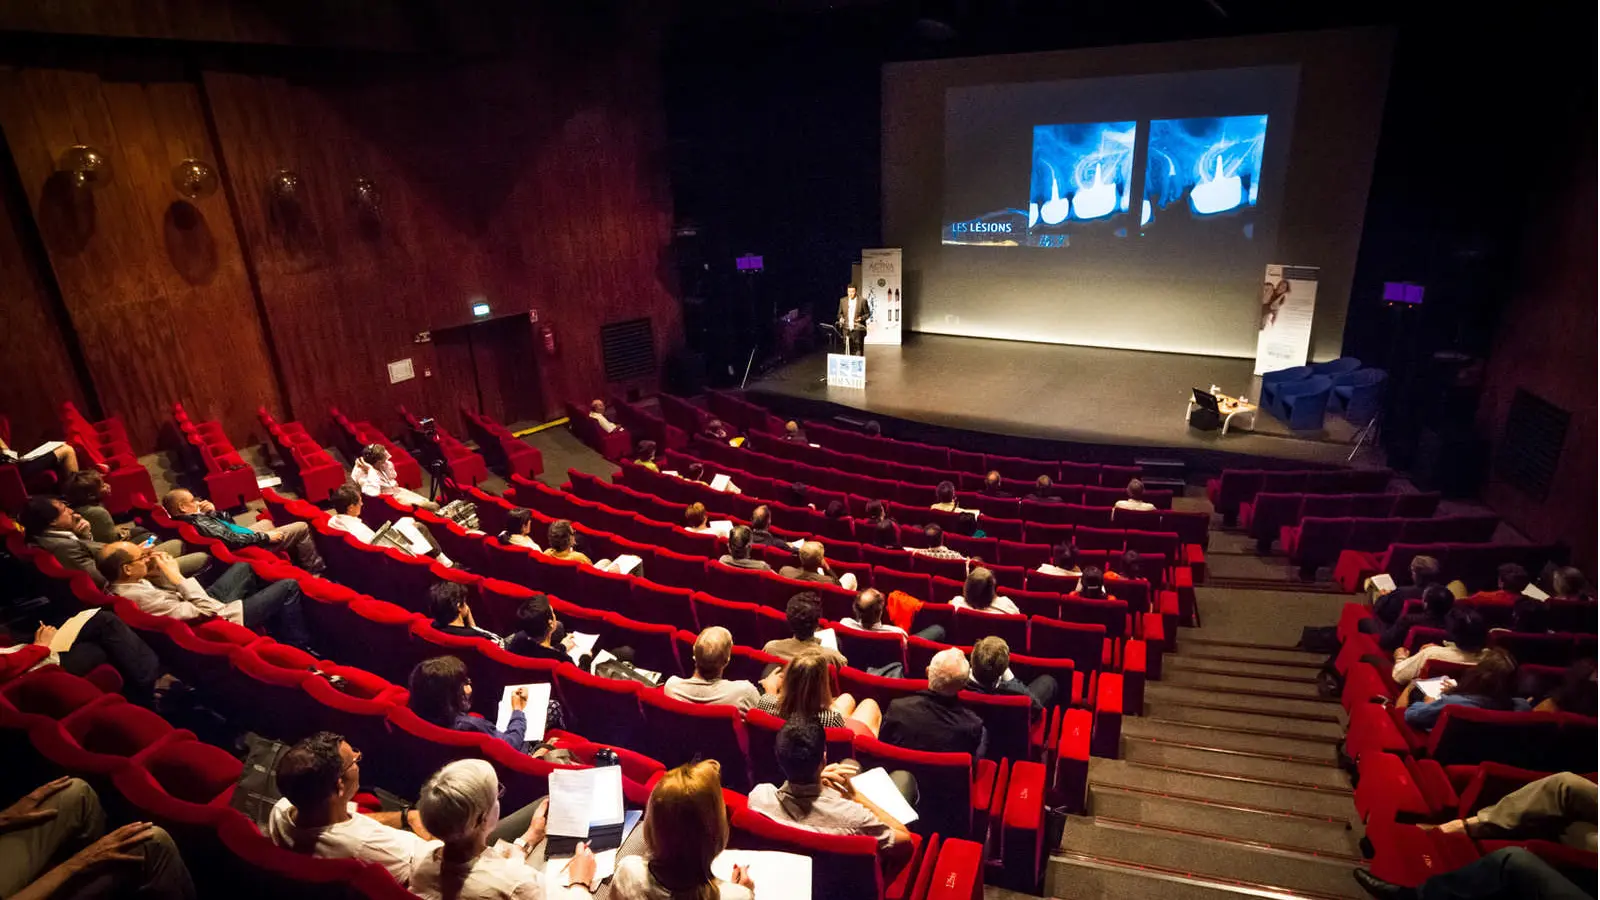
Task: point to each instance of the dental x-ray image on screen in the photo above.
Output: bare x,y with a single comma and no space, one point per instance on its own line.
1200,169
1081,180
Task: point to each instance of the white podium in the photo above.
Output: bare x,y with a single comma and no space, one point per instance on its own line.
845,371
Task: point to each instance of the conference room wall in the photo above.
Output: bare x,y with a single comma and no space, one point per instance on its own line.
1048,295
536,182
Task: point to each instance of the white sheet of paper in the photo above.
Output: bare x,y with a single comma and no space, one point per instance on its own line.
720,482
582,798
1383,581
407,527
42,449
624,564
875,785
582,645
266,481
605,863
797,542
829,639
68,632
777,875
1534,591
720,527
1433,688
537,711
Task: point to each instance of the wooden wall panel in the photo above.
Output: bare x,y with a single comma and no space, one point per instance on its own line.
34,363
535,185
155,285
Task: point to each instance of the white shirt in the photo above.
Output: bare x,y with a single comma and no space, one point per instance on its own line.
189,601
1000,605
1130,503
374,480
357,528
1049,569
358,837
634,882
501,873
605,424
853,623
522,540
850,320
1406,670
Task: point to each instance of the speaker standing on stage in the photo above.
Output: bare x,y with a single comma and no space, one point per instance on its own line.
853,314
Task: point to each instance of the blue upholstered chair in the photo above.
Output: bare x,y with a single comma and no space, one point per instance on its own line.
1360,393
1301,404
1335,367
1272,381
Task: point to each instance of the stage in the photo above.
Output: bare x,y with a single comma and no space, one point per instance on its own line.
1123,401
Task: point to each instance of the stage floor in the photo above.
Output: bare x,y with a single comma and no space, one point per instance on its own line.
1060,393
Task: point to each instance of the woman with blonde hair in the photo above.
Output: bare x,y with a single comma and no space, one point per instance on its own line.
460,806
685,828
806,691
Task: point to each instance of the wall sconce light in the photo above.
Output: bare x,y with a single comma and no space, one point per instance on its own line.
284,186
194,179
368,201
88,167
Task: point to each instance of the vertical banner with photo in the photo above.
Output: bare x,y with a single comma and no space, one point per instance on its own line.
880,284
1287,301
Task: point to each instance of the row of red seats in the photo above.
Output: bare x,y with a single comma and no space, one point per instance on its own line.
104,444
230,481
1235,487
1317,541
503,448
462,463
613,444
318,472
356,435
1475,564
964,467
1268,513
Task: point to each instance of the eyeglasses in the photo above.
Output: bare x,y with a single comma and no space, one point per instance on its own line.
354,761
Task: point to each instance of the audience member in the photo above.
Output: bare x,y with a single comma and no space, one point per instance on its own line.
967,524
869,609
802,612
717,430
597,414
102,639
644,454
346,517
944,497
1466,636
813,566
836,510
991,674
934,536
994,487
86,491
460,805
1091,584
793,433
872,428
1529,616
1042,491
293,538
818,797
234,596
738,554
560,542
441,693
982,595
1488,685
1567,583
1513,581
447,603
806,691
1063,561
539,633
1510,872
685,828
519,530
874,513
1130,567
934,720
1575,693
761,528
1436,604
712,650
1135,499
694,518
317,814
54,844
1389,607
886,534
52,526
374,473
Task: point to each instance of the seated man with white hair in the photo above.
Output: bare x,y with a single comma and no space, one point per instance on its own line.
712,650
460,806
814,567
934,720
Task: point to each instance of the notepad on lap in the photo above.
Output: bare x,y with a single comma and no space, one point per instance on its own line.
68,632
582,645
720,482
1433,688
42,449
877,786
1383,581
720,527
828,639
777,875
537,711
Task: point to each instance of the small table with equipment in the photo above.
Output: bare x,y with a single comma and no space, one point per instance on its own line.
1216,407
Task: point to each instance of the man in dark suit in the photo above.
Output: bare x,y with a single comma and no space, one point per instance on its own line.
52,526
991,666
1424,571
853,314
761,528
1436,603
1042,492
934,721
814,567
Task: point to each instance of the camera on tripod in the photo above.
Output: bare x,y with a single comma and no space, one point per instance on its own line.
430,453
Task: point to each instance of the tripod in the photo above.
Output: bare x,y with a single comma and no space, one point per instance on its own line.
1369,433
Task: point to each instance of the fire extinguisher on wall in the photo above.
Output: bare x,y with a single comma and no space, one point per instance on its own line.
547,337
